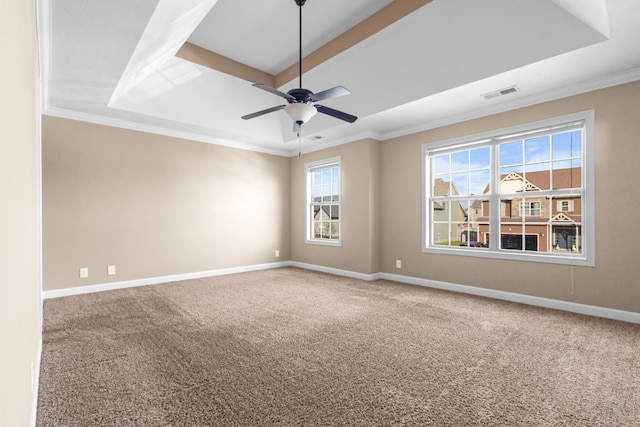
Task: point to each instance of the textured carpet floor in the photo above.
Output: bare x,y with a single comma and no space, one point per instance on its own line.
294,347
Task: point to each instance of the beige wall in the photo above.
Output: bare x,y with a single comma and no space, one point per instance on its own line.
19,236
155,206
382,200
613,283
359,209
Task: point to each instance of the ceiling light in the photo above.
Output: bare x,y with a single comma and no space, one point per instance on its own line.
300,113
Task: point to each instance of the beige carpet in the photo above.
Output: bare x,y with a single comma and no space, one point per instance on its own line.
295,347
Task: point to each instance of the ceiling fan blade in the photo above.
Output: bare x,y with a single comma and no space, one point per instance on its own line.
274,91
263,112
336,113
334,92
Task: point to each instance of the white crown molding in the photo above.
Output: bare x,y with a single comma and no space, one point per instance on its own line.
158,130
564,92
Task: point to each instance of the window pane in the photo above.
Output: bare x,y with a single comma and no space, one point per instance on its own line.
317,178
566,174
479,182
441,187
441,235
567,238
440,164
460,184
335,230
511,153
334,210
537,177
537,150
480,158
326,176
460,161
567,145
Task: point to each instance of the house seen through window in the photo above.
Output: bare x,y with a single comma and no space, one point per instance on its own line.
323,202
517,193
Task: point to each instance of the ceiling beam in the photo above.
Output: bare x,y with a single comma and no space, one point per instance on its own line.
204,57
386,16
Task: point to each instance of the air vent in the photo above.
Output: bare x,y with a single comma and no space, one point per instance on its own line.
315,138
501,92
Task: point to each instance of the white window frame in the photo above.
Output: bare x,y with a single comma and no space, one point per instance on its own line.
309,168
587,255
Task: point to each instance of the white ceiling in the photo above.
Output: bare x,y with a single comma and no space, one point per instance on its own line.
113,62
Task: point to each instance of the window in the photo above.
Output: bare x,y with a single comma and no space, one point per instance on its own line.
323,202
565,205
530,185
530,209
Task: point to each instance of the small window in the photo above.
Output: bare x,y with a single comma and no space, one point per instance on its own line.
530,186
565,205
530,209
323,202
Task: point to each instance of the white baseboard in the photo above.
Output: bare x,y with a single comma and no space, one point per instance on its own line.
591,310
336,271
78,290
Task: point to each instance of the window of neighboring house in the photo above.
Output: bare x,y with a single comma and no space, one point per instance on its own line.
565,206
323,202
530,209
531,185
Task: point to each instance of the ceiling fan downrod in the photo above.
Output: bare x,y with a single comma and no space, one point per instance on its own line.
300,3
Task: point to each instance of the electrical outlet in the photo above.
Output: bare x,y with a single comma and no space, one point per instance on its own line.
277,252
398,263
84,272
111,270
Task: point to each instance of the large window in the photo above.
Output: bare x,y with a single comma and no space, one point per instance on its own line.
524,192
323,201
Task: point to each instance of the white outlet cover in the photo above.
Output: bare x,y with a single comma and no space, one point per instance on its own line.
84,273
111,270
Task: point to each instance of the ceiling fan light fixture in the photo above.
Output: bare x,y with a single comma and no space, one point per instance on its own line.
300,112
302,101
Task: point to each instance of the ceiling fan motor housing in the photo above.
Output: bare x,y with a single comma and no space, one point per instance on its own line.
300,95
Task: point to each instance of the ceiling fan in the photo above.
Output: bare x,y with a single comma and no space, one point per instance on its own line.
302,102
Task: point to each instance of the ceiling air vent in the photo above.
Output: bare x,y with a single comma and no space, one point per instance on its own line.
315,138
501,92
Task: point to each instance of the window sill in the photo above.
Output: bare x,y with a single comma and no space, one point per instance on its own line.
549,258
334,243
